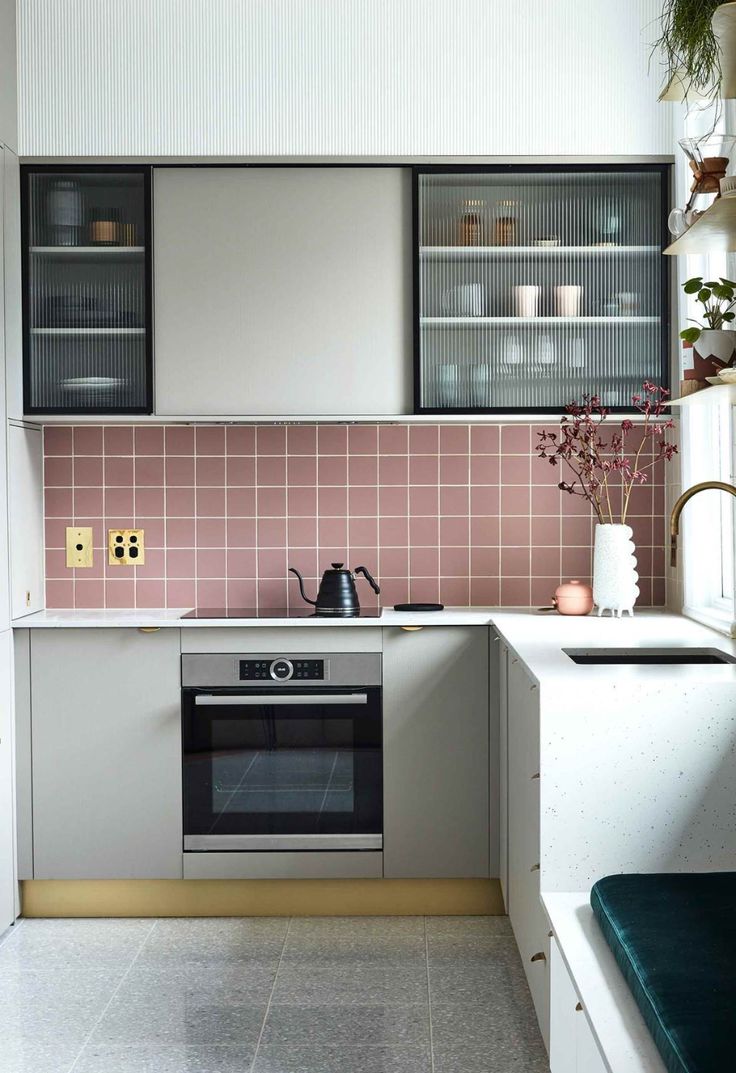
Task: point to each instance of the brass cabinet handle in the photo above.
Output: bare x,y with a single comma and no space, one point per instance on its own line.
411,629
535,776
538,957
148,629
534,868
579,1007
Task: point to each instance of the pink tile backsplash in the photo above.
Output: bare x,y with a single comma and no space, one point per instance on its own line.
457,513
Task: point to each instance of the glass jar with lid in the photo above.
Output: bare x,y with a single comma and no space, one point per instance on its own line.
471,222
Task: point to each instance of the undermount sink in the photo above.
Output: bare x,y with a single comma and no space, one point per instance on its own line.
601,656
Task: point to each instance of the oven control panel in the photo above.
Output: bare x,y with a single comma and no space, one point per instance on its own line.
281,669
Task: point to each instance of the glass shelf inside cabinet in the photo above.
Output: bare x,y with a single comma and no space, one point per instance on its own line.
537,286
86,272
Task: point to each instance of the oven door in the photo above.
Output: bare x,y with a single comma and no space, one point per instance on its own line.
288,769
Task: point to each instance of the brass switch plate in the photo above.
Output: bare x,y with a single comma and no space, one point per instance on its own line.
125,547
79,545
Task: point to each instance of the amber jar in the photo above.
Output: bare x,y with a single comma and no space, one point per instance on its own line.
471,223
505,233
104,227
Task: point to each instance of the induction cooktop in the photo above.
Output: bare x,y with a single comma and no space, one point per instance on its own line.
275,612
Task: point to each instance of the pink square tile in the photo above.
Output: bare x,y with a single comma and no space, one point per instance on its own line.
180,502
424,499
209,470
119,471
272,593
644,561
210,502
515,592
88,503
242,593
485,469
181,593
149,502
453,469
87,440
485,499
424,590
455,591
486,531
241,470
149,470
515,499
240,440
179,440
270,440
302,501
546,500
363,501
332,532
363,469
424,562
271,532
515,562
545,532
394,590
454,439
60,593
363,532
241,532
659,592
516,439
271,469
485,591
211,592
454,531
89,592
333,500
150,593
543,590
485,439
118,440
424,531
180,563
301,469
55,530
363,439
334,470
210,562
454,499
306,561
424,469
180,532
367,557
154,564
88,471
454,562
393,469
149,440
515,469
57,440
56,563
272,562
301,440
393,532
515,531
393,499
484,562
155,531
577,563
120,593
302,532
179,470
576,531
424,439
210,532
57,471
209,440
241,502
393,439
118,502
332,439
395,562
271,502
58,503
241,563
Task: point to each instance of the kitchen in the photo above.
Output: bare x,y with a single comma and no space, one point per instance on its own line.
340,729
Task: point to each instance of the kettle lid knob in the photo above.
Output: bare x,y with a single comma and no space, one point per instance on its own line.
336,566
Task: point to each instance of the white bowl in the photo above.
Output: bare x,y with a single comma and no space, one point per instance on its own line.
727,376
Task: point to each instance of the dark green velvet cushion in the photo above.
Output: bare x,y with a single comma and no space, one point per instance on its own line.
674,938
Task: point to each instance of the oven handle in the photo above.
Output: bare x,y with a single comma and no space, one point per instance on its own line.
280,698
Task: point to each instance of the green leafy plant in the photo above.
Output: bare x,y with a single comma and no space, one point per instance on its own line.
717,298
688,45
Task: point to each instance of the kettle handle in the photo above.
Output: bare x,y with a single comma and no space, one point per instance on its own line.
293,570
366,574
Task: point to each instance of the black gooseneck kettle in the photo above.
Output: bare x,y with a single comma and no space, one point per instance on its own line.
337,592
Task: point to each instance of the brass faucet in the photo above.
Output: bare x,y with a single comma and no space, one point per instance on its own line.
677,510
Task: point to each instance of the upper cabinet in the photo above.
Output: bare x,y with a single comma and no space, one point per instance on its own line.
536,284
282,290
8,76
87,346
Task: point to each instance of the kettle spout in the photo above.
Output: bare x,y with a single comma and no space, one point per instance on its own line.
293,570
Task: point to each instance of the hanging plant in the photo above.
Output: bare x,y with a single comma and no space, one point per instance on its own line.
690,49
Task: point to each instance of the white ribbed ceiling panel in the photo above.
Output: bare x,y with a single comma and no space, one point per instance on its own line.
345,77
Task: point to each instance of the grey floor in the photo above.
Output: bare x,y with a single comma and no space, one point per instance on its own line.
329,995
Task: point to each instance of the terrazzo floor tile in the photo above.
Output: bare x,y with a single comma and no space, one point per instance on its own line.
26,1056
467,927
216,941
46,945
326,1059
209,1058
324,983
352,1026
175,1020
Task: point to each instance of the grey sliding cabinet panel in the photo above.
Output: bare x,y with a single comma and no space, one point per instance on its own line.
436,765
282,290
106,754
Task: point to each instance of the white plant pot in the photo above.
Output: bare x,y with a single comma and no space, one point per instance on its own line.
716,344
723,22
614,570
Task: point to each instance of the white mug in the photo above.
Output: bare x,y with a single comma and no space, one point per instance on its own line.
526,300
465,300
568,300
512,350
448,384
546,350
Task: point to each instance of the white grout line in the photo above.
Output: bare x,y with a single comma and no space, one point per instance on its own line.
270,997
429,997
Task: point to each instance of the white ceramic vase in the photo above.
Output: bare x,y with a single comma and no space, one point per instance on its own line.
614,570
716,344
723,22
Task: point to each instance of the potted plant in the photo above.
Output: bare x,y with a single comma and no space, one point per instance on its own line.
605,472
698,43
714,347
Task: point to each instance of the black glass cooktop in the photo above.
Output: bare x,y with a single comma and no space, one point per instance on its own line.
275,612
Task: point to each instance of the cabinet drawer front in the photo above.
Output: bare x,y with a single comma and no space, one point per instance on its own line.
279,639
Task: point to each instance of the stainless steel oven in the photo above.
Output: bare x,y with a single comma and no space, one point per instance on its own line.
282,752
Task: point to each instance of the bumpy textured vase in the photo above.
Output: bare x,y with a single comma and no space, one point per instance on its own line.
614,570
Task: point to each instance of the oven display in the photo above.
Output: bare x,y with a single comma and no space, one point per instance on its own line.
282,670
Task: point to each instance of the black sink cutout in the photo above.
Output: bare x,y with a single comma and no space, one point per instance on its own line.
654,656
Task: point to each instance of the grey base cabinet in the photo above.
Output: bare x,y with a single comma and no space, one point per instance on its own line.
436,762
106,741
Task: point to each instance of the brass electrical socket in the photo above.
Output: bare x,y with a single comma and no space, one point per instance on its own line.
125,547
79,545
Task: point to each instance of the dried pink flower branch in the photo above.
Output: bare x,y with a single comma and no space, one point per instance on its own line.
599,466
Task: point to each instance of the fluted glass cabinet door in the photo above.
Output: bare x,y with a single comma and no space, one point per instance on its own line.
87,290
537,284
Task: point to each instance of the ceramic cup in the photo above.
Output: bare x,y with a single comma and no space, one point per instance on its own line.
568,300
448,384
512,352
526,300
465,300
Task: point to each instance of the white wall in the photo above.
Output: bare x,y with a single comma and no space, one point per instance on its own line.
342,77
